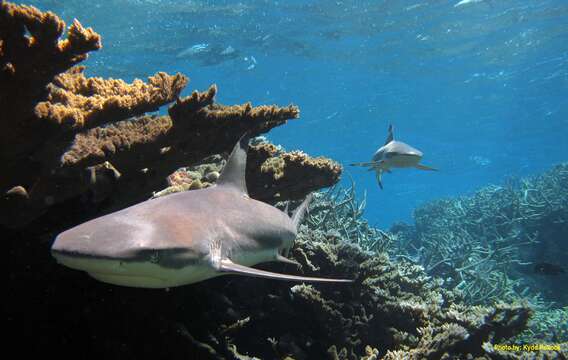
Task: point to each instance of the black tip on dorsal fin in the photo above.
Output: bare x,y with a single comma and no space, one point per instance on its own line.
233,174
390,136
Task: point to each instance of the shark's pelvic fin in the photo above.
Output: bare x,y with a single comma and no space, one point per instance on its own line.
230,267
390,136
424,167
233,174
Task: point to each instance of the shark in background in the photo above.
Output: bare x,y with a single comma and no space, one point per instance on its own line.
394,154
186,237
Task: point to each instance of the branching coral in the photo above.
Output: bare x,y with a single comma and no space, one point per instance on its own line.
338,211
476,243
390,309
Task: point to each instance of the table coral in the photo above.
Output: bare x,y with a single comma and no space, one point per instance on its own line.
67,136
31,55
76,101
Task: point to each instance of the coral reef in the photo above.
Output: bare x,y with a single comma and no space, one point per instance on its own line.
75,101
31,55
546,326
86,140
277,179
485,244
84,147
338,212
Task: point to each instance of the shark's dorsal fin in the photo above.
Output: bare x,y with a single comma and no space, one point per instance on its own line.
301,210
390,136
230,267
233,174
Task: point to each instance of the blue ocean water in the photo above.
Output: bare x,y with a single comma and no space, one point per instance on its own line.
479,86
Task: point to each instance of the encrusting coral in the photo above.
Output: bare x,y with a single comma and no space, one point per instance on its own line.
67,132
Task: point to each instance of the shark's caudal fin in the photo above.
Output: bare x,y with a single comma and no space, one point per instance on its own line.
301,210
233,174
230,267
424,167
390,136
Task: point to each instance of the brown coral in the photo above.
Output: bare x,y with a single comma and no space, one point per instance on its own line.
76,101
28,63
75,127
279,173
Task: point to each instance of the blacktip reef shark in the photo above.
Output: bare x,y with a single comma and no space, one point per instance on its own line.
186,237
394,154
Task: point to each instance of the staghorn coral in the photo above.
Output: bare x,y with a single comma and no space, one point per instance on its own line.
480,244
546,326
337,211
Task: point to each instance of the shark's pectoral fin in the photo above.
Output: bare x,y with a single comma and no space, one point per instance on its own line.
284,259
230,267
364,164
424,167
379,177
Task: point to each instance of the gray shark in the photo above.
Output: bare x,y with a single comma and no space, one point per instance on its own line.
394,154
186,237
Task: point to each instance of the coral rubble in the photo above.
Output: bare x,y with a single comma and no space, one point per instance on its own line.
68,136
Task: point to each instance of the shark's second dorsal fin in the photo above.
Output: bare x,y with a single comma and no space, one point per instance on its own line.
390,136
300,211
233,174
